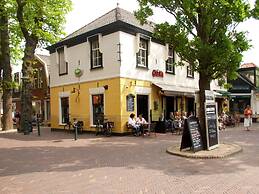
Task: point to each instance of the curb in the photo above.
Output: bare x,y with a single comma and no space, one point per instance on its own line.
224,150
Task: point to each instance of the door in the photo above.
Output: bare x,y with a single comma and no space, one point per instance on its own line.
190,105
142,106
169,106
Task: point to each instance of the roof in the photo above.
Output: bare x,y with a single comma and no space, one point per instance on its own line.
247,65
45,59
112,16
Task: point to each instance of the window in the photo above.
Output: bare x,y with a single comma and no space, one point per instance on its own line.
62,64
64,102
37,78
190,72
142,55
170,66
96,55
98,108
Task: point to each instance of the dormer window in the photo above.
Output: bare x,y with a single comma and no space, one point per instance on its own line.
142,55
62,64
170,62
96,55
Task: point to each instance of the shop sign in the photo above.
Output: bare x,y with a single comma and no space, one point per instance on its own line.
157,73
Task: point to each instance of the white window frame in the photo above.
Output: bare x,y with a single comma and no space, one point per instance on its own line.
96,61
139,54
63,95
190,72
168,64
95,91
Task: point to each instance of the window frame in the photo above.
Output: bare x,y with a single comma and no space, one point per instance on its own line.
62,118
170,57
190,69
59,61
99,55
138,54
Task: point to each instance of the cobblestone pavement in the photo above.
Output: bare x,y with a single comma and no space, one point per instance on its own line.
56,164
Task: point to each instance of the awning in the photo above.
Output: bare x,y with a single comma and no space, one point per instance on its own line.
223,93
172,90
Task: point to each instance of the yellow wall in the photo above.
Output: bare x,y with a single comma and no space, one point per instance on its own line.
79,107
114,99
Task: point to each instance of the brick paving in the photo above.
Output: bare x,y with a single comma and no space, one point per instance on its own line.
56,164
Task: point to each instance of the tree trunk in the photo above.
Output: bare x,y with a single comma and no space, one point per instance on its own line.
204,84
26,97
7,74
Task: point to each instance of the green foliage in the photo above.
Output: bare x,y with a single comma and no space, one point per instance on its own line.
45,19
204,33
256,10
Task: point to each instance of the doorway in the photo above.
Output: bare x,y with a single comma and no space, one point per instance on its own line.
190,105
142,106
169,106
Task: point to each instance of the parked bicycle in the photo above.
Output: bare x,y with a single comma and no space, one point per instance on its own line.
104,128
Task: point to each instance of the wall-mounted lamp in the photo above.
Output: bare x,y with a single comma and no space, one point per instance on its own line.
106,87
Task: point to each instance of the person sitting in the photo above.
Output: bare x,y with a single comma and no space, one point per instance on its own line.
133,124
142,123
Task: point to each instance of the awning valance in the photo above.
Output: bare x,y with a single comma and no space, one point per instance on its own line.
172,90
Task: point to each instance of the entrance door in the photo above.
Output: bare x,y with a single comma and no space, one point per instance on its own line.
169,106
142,106
190,105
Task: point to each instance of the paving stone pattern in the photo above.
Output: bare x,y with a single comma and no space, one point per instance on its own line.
56,164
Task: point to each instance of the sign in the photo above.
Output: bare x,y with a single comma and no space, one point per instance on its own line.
157,73
130,102
191,135
209,96
212,132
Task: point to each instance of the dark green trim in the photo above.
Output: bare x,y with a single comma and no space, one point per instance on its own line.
104,30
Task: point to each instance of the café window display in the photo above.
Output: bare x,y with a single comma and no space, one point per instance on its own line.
98,108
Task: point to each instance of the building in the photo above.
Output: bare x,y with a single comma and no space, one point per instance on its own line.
113,67
245,89
40,88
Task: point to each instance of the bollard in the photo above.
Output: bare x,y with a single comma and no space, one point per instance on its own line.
38,125
76,131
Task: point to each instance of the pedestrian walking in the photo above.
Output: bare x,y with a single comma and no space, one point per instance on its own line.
248,117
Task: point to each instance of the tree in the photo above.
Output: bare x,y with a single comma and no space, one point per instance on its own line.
6,71
256,10
205,36
41,22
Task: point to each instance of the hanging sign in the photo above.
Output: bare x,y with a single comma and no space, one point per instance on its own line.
157,73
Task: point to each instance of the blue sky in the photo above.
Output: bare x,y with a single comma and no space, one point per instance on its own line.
85,11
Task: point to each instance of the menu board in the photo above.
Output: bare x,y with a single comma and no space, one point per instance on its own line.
130,102
191,135
211,125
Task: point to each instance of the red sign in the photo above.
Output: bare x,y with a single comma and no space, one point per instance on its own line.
157,73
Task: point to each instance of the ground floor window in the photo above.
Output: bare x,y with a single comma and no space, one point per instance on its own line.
64,109
238,104
98,108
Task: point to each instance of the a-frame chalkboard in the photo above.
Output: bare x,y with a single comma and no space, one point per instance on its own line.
191,137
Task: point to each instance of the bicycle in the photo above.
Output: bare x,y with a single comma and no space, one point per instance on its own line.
105,128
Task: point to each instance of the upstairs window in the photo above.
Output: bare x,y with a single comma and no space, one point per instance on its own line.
142,55
170,63
62,64
37,78
190,72
96,55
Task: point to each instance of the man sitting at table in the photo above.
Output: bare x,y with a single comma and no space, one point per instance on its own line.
142,122
134,125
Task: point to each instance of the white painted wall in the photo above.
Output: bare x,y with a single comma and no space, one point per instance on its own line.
127,69
111,66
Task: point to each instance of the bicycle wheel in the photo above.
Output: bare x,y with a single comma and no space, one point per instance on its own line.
108,131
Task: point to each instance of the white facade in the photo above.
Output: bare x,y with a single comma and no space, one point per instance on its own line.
79,56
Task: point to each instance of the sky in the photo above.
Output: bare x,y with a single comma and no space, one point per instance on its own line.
85,11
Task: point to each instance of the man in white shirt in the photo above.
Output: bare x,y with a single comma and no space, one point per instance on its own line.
132,123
